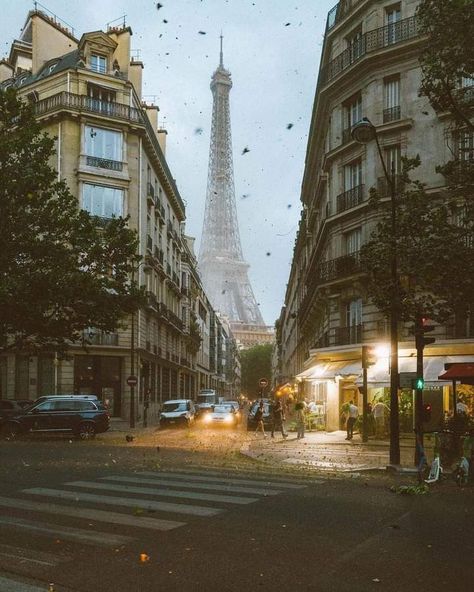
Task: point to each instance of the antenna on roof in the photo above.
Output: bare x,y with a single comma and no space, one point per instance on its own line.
120,18
221,55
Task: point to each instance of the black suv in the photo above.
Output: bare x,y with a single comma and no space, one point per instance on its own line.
80,415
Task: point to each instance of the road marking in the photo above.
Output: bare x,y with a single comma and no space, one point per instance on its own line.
8,585
205,497
31,556
183,485
91,514
123,501
193,477
259,479
102,539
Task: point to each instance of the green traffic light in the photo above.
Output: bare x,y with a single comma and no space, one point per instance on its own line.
419,384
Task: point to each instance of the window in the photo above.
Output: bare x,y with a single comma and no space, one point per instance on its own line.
103,143
354,313
99,63
352,113
391,90
353,241
355,44
393,16
352,175
105,202
464,145
393,160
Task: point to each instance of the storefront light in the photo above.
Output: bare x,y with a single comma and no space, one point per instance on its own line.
382,351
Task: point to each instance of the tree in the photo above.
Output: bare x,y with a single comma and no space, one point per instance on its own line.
448,57
435,253
256,363
61,272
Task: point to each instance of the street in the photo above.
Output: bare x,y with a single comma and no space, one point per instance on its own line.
195,514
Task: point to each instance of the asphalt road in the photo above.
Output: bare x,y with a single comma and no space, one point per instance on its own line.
194,515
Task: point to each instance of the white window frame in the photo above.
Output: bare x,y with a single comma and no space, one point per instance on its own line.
353,241
98,63
101,211
95,142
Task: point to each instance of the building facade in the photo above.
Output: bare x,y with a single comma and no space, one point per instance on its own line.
369,68
110,150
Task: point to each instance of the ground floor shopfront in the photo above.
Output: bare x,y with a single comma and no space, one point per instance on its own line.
332,379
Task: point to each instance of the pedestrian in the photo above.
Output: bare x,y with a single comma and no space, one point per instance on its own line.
353,414
300,409
461,407
378,411
259,419
278,417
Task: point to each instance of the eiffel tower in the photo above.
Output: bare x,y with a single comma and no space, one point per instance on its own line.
221,263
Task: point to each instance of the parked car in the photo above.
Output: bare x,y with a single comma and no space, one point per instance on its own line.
224,415
177,412
267,417
9,407
76,414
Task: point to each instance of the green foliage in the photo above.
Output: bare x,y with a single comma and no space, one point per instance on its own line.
256,363
60,272
435,254
448,55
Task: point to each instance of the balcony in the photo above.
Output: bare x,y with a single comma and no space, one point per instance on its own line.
391,114
348,335
150,194
151,300
83,103
384,189
369,42
100,338
149,243
169,229
338,268
104,163
322,341
350,198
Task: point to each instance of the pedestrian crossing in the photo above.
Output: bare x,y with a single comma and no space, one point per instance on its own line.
113,511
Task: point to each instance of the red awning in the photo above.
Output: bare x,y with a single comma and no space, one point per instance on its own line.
458,371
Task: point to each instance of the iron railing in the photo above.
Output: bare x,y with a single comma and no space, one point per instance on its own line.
101,338
339,267
350,198
104,163
386,36
391,114
348,335
384,187
338,12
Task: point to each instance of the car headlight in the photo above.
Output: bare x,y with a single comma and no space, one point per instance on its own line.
207,418
229,419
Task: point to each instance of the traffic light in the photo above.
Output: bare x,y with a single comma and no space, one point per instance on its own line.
421,328
427,412
418,384
369,357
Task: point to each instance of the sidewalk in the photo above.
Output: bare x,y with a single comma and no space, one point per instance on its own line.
329,451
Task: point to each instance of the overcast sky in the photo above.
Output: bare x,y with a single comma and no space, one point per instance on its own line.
272,49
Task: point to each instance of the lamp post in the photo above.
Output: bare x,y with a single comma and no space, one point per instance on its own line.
364,132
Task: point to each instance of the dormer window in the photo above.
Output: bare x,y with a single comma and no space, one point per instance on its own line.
52,67
99,63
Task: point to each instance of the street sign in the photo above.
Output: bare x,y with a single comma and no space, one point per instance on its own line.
263,382
132,381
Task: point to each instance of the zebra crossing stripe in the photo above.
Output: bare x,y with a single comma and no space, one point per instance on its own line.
258,479
129,502
21,556
90,514
8,585
205,497
102,539
169,482
230,480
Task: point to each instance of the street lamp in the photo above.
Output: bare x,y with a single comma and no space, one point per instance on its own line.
364,132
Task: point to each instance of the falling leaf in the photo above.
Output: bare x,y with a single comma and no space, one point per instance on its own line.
202,32
289,206
268,253
165,21
245,150
144,558
287,24
289,125
245,195
376,580
198,131
158,6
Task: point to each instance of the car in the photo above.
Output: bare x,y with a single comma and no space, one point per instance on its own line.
223,414
177,412
9,407
267,416
79,415
67,396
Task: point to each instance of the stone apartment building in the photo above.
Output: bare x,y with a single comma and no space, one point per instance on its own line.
111,151
369,68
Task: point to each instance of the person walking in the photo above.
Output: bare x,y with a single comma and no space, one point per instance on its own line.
278,417
353,414
378,411
300,409
259,419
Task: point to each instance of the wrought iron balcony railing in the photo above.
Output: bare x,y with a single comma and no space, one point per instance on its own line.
384,187
350,198
391,114
380,38
104,163
339,268
101,338
348,335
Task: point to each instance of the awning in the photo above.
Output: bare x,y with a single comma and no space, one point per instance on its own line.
458,371
329,370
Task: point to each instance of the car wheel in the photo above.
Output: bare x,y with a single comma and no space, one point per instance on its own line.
86,431
10,431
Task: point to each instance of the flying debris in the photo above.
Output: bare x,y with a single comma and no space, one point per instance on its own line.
158,6
287,24
268,253
245,195
129,438
165,21
245,150
289,125
202,32
198,131
289,206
